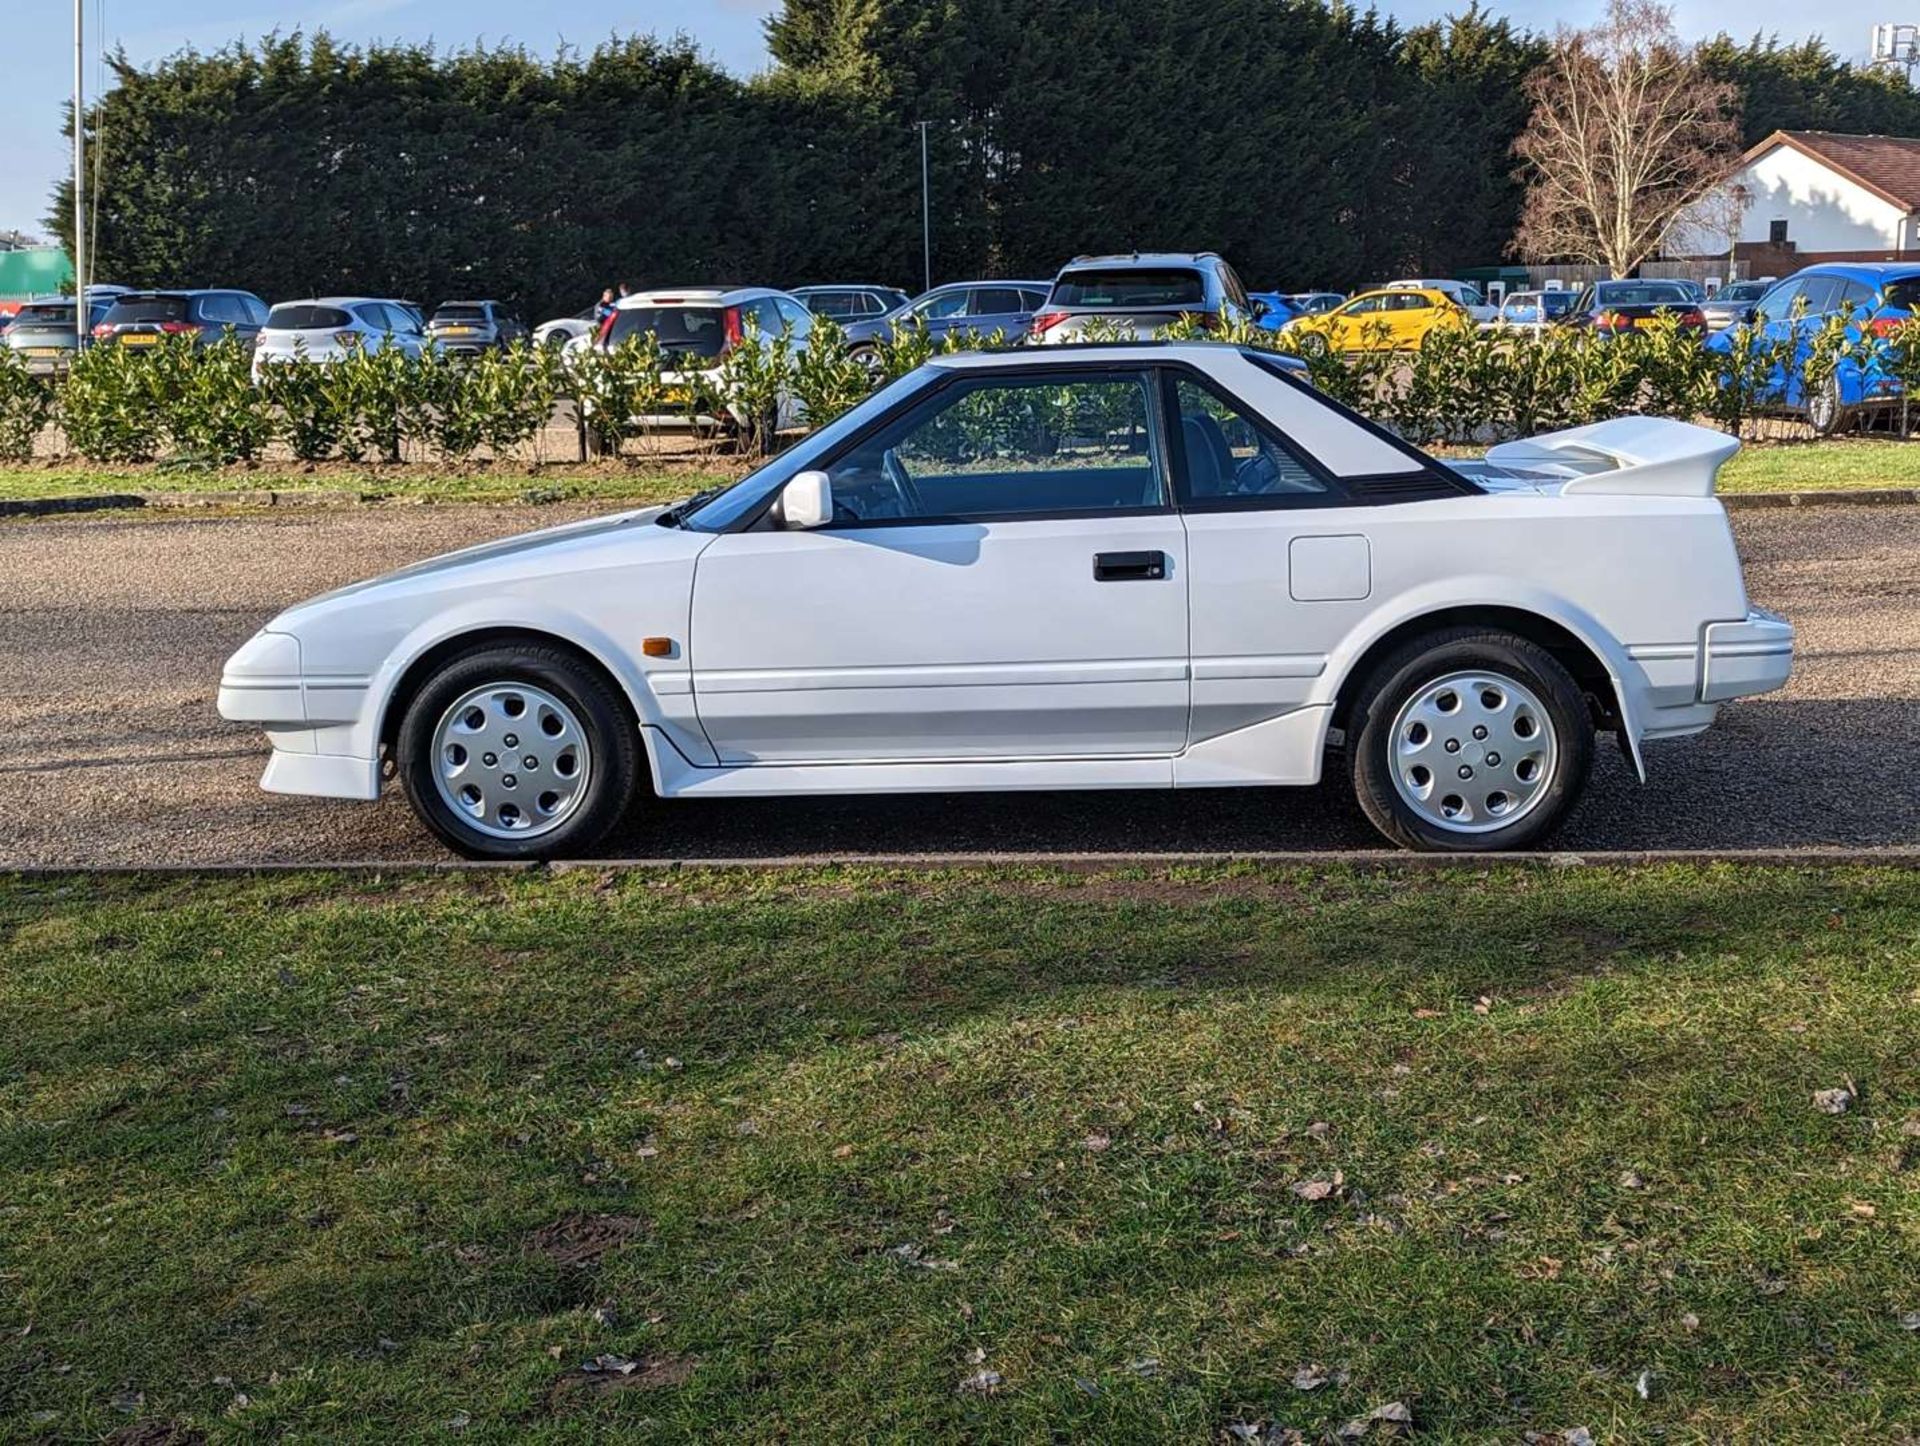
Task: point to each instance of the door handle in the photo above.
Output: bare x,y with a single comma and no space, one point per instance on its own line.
1129,566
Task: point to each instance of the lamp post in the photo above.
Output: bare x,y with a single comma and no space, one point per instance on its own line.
926,212
80,318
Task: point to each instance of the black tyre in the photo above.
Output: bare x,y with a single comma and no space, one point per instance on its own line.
1468,740
1312,344
518,752
1826,413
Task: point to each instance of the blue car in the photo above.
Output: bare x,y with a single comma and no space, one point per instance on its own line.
1877,296
1275,309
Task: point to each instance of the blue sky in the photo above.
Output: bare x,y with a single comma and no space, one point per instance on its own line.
36,63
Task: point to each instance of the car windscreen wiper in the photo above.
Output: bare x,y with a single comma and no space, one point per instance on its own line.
676,515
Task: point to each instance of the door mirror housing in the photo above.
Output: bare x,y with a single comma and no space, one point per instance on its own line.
1260,309
807,500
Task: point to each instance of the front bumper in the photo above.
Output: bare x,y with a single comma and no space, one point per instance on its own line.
314,724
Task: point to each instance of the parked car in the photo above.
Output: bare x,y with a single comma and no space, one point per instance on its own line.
696,326
850,303
1138,294
1272,309
1312,303
1875,297
143,318
565,329
1732,303
985,307
1609,308
1530,309
42,334
1390,319
1463,294
1153,567
468,328
332,328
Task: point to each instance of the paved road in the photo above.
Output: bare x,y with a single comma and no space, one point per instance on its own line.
112,635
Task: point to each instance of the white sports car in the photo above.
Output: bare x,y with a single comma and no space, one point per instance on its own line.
1123,566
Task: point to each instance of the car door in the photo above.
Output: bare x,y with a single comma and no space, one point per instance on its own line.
943,310
998,309
1774,321
1360,324
1004,577
1410,315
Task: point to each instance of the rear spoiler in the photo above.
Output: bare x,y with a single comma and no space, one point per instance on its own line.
1630,456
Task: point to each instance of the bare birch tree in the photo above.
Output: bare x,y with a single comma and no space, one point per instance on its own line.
1627,132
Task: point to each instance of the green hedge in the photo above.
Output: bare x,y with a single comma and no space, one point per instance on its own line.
198,405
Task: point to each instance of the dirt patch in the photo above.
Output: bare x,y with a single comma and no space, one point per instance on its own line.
582,1239
608,1375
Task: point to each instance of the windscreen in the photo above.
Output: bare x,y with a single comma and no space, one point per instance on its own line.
682,330
148,308
305,316
1136,287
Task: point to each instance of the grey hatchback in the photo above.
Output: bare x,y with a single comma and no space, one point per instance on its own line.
984,307
467,328
42,334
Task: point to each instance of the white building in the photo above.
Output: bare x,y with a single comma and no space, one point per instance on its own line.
1820,192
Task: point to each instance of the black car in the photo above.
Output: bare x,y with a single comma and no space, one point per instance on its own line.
467,328
145,318
1608,308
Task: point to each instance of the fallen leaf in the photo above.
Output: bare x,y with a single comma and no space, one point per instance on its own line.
843,1152
1643,1386
1096,1142
1483,1005
1910,1321
1632,1180
459,1422
1146,1366
1689,1322
1313,1190
1309,1378
982,1383
1579,1436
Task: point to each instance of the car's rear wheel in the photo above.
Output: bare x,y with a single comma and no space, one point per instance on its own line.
868,357
1312,344
1469,740
1826,413
514,752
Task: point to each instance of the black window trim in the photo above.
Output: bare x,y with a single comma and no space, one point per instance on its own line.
756,519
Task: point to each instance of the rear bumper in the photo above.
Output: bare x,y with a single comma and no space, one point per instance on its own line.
1741,659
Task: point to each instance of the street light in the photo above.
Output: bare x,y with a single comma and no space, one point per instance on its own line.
926,211
79,190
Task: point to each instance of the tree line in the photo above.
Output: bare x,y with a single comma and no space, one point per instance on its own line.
1313,144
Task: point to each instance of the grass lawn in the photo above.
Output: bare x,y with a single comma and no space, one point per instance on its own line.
847,1155
615,482
1822,466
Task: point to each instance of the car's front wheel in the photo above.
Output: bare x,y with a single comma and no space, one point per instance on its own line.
518,752
1312,344
1469,740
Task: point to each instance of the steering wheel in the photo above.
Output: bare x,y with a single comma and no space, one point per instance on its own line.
1255,476
903,487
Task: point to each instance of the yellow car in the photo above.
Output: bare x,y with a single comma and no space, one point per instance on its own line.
1396,319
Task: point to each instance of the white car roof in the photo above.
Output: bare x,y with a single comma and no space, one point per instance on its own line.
1344,443
696,295
335,301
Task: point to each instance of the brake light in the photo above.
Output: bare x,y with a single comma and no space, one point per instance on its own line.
1884,325
178,328
100,329
1044,322
1693,317
1613,321
730,318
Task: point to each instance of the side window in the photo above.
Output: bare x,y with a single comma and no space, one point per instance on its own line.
1822,294
793,316
943,305
1365,306
1858,295
1777,304
1007,447
1412,301
1236,293
995,301
1225,454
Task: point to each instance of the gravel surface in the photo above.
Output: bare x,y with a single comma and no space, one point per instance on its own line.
112,635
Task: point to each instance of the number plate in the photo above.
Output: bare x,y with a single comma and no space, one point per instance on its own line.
138,338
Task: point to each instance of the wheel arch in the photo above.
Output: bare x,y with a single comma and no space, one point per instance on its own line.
1597,678
414,674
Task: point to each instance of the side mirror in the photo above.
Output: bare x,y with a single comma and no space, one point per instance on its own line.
807,501
1260,309
1749,314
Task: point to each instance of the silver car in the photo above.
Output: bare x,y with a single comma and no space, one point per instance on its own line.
1137,295
332,328
42,332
